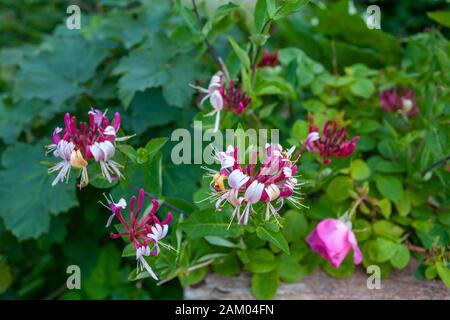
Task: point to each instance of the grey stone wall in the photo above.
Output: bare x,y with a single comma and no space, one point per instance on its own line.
399,285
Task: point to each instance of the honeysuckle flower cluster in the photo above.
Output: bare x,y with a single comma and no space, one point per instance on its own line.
402,101
77,145
333,239
145,233
271,182
332,143
223,98
268,59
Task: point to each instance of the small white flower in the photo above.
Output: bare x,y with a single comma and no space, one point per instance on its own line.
102,153
226,158
287,171
273,191
158,233
142,263
252,195
237,179
110,131
313,136
64,151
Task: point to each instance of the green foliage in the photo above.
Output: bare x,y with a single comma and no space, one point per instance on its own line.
140,59
27,198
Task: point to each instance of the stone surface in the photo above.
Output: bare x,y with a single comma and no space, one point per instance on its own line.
400,285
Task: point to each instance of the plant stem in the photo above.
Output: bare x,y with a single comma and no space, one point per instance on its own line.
258,50
353,210
436,164
211,50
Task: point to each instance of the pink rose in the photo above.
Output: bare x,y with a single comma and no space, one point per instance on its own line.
332,239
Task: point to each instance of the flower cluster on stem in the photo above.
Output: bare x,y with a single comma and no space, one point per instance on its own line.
144,233
76,145
402,101
332,143
271,182
221,97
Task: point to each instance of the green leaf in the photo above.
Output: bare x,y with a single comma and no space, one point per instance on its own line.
444,218
221,242
274,237
190,19
288,269
105,276
154,146
387,229
15,118
359,170
389,186
443,272
193,277
208,222
401,257
385,207
129,250
294,226
145,112
265,285
431,272
363,88
441,17
260,15
362,229
27,197
339,188
59,64
159,64
6,278
128,150
259,261
403,204
290,7
242,55
227,266
299,130
381,249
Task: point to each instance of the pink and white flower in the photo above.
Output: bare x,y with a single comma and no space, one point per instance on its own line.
76,145
269,182
221,97
145,233
401,101
332,143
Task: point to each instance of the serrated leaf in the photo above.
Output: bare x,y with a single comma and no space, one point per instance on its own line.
59,65
23,175
158,64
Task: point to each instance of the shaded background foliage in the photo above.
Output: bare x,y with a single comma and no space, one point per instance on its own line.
138,57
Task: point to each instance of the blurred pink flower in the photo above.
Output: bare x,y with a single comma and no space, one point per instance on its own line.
401,100
333,239
333,142
220,97
268,59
